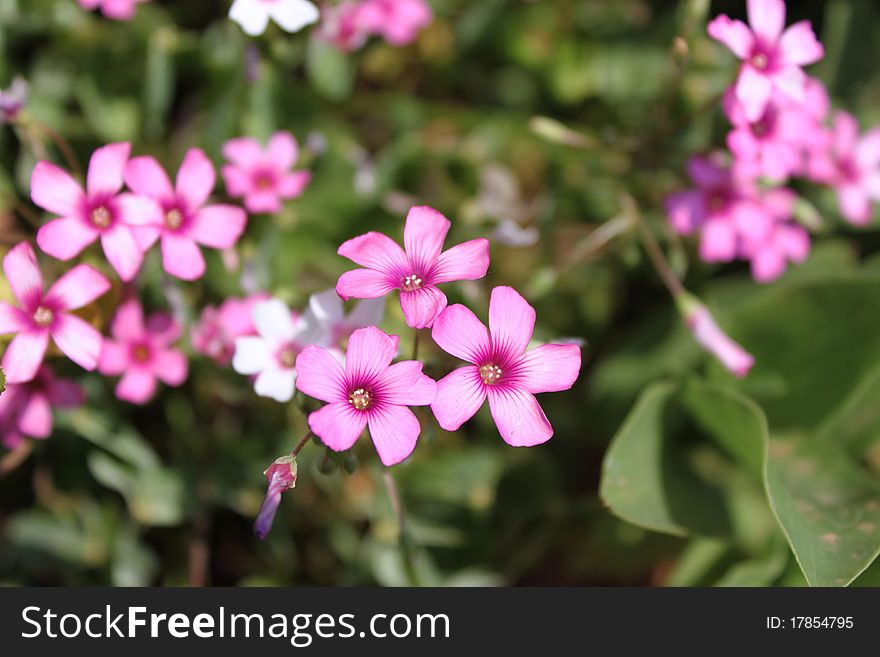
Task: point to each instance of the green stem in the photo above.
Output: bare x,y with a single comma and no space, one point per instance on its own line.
407,545
652,248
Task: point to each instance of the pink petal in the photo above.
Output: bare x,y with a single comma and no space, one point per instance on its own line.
799,45
855,206
243,151
105,169
394,430
364,284
511,321
768,264
846,133
65,238
218,226
459,396
710,336
283,150
24,276
421,307
376,251
171,367
145,236
137,385
319,375
54,190
519,417
24,355
457,331
753,90
794,241
66,394
549,368
293,184
734,34
238,181
791,81
195,178
145,176
467,261
404,384
685,211
78,287
114,358
163,328
78,340
122,251
263,201
868,150
36,417
705,172
137,210
423,236
129,321
718,242
767,18
369,353
12,319
338,425
181,257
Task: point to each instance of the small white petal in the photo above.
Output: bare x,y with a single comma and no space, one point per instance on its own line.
273,320
276,383
368,312
294,15
326,306
252,15
252,355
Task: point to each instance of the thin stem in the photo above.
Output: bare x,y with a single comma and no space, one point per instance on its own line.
16,457
302,443
63,146
652,248
407,546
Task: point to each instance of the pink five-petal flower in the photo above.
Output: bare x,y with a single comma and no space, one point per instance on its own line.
710,336
772,56
99,211
26,408
218,328
120,10
40,316
367,391
416,272
263,177
341,25
141,352
501,369
397,21
785,242
182,219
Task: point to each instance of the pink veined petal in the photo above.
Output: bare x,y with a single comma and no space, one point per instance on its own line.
364,284
511,321
855,206
421,307
238,180
218,226
376,251
243,151
129,321
170,367
423,236
78,287
24,355
549,368
734,34
145,176
36,418
467,261
137,385
114,358
338,425
767,18
12,319
138,210
65,238
181,257
753,90
195,178
799,45
78,340
24,276
457,331
54,190
519,417
283,150
369,353
395,431
459,396
320,375
404,384
294,184
105,169
122,251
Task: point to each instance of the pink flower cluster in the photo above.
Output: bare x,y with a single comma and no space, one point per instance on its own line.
739,206
348,24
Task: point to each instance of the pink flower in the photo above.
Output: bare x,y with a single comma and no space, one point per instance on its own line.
326,310
785,242
99,211
281,476
41,316
416,272
182,219
26,408
263,177
708,334
141,352
398,21
218,328
340,26
368,391
501,369
850,164
772,56
13,100
120,10
290,15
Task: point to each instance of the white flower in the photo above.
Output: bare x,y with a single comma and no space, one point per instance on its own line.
271,355
291,15
326,311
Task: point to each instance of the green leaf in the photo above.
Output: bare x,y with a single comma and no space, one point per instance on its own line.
330,70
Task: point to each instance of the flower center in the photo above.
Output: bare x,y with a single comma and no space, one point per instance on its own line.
174,219
263,181
140,353
360,399
287,356
44,316
412,282
760,61
101,217
760,129
716,202
491,374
